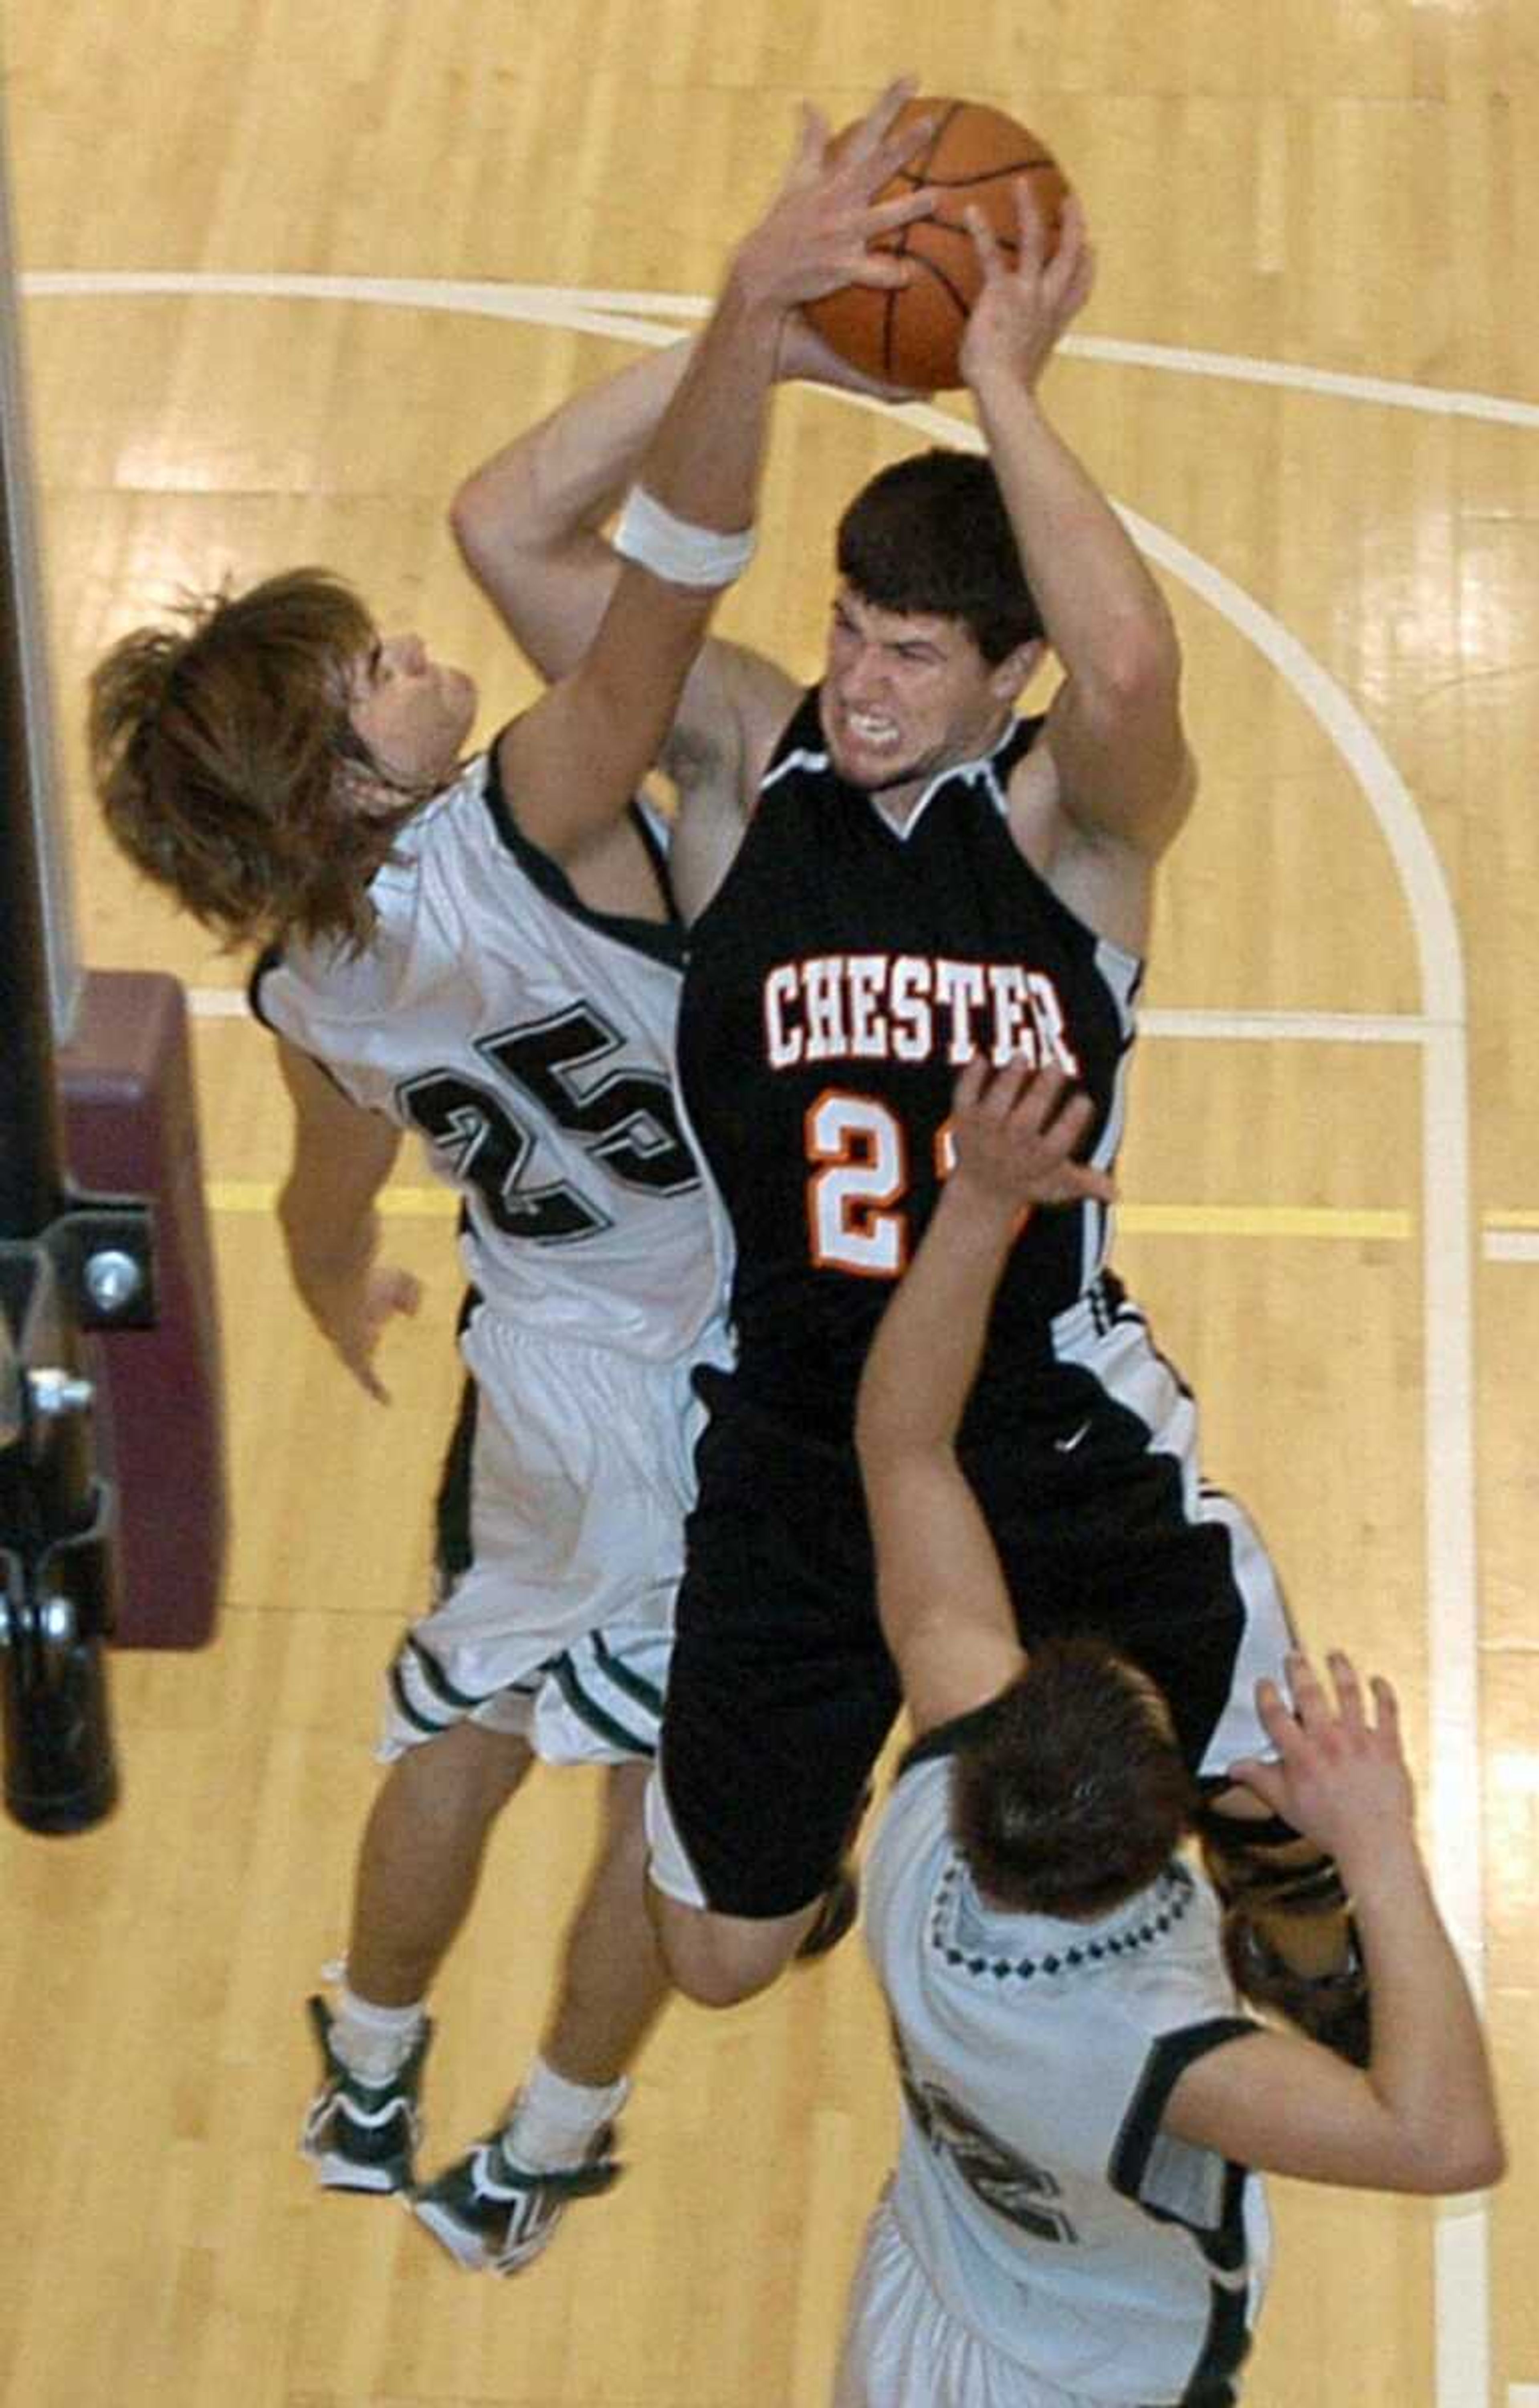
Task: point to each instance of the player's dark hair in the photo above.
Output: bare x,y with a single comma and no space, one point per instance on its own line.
229,771
1074,1791
931,535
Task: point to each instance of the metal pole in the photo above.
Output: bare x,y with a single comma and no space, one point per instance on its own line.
55,1554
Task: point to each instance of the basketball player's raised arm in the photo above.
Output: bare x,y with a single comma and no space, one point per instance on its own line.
945,1609
574,760
343,1157
1421,2115
1121,774
688,427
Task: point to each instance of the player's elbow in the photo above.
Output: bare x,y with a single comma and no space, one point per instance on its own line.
1136,677
1474,2161
1464,2156
473,520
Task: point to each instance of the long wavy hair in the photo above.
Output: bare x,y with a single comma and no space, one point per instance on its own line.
229,772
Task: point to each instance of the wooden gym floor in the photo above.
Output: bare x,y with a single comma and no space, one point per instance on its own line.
1310,373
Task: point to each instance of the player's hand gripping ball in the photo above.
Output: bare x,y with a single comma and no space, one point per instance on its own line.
977,158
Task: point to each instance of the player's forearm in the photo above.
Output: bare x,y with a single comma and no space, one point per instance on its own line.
527,522
703,462
1429,2065
1104,615
925,1356
568,472
326,1242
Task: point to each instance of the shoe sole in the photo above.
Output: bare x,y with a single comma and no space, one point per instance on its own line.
466,2248
341,2173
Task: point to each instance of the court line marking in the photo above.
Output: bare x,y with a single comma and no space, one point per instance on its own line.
605,313
1267,1027
1373,1224
1348,1222
1461,2287
1511,1246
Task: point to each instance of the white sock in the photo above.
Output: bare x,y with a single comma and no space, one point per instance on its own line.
554,2121
373,2042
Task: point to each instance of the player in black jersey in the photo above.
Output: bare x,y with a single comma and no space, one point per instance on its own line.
925,875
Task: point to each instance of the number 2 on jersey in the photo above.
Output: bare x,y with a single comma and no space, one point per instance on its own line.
860,1152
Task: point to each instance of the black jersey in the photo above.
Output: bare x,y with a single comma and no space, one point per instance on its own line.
836,984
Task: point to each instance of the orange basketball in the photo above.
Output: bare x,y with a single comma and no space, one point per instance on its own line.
977,157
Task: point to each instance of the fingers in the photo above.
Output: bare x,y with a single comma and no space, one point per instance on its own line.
1348,1689
1090,1185
970,1081
901,211
1277,1717
871,134
1017,1129
1323,1713
1265,1781
811,145
362,1371
882,271
1386,1709
1030,229
1013,1092
990,257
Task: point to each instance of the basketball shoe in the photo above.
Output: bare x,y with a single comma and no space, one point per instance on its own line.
361,2135
495,2216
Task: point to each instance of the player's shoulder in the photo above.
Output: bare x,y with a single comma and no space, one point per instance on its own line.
735,704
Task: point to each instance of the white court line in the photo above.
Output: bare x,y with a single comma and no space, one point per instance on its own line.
1512,1246
1269,1028
1461,2282
599,312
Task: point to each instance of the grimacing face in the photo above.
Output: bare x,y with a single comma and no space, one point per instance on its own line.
906,693
413,712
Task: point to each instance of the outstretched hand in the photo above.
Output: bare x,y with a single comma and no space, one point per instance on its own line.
817,232
1024,306
1340,1779
353,1309
1015,1130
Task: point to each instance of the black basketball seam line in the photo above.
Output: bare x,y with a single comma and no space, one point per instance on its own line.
939,138
889,308
933,268
984,176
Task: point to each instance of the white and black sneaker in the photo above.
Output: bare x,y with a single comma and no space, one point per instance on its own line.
361,2135
494,2217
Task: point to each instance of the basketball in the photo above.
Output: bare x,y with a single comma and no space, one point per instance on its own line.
912,337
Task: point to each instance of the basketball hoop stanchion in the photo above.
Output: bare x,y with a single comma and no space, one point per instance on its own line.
68,1264
63,1259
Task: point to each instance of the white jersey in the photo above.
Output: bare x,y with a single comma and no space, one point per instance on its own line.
528,1041
1053,2218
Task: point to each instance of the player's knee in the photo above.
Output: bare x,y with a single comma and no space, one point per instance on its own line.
466,1771
719,1960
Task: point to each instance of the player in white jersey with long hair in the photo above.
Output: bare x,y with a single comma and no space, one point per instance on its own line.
489,957
1075,2219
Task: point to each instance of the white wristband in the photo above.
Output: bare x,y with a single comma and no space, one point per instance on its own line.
673,548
